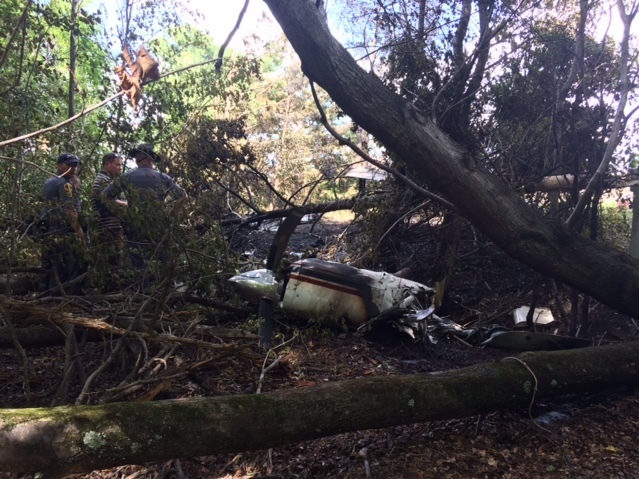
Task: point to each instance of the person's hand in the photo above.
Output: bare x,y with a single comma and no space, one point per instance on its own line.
80,235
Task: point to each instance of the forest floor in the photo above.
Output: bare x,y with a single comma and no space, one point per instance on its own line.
579,436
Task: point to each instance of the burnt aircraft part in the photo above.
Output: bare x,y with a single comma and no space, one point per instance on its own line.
328,292
323,289
282,237
257,284
266,315
336,290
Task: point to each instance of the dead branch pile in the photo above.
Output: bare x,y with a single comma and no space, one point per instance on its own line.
136,326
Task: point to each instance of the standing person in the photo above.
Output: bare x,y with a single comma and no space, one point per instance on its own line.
65,236
110,234
146,190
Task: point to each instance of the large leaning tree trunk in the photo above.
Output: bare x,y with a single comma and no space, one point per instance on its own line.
63,440
545,245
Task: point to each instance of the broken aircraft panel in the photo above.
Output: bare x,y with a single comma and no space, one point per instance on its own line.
326,290
323,289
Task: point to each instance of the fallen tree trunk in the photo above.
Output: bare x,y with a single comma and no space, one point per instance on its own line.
64,440
546,245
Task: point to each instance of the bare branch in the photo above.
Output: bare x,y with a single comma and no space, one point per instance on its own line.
617,125
344,141
15,160
5,54
218,63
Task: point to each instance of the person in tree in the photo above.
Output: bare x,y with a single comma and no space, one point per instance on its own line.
65,239
110,234
147,220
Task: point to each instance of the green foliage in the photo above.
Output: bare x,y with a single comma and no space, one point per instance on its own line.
615,226
576,122
299,158
34,82
507,82
34,87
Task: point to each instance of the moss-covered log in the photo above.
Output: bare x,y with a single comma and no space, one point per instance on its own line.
64,440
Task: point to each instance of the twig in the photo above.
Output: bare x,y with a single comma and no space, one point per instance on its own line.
367,468
345,141
87,385
218,63
72,362
178,469
16,160
460,340
266,368
62,123
101,325
532,399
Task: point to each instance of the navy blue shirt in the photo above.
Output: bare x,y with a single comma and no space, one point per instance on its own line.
61,195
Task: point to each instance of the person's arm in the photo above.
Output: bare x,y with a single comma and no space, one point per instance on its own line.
71,206
175,191
179,203
75,224
111,192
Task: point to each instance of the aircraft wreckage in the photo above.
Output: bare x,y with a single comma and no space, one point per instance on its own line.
332,293
328,291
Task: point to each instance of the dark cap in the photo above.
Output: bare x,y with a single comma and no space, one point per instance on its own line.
145,149
68,159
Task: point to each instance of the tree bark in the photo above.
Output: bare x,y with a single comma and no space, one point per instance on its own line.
63,440
349,204
545,245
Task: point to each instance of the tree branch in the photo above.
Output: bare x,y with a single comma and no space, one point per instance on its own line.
382,166
5,54
218,63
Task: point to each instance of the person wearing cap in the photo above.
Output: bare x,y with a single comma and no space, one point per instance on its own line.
112,164
110,234
62,217
150,182
146,190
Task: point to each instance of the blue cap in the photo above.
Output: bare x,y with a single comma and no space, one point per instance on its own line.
68,158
